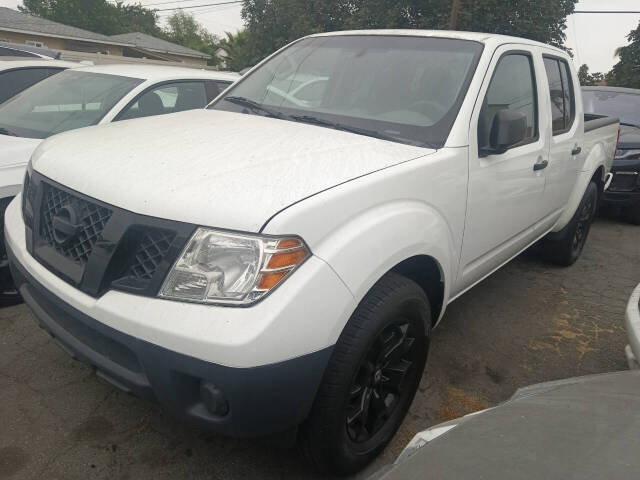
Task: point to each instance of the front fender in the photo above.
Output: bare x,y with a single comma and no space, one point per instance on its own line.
366,247
366,227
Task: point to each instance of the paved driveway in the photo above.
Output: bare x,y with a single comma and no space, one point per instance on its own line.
528,323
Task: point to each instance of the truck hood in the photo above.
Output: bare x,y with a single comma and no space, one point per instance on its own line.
16,150
212,168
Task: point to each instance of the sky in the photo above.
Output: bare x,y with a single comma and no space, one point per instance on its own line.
593,37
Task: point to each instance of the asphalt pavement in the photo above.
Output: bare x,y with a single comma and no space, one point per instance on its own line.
529,322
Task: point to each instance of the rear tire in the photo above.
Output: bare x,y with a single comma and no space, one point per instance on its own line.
632,214
565,247
8,293
371,379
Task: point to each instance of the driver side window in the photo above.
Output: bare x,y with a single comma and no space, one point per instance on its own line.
512,87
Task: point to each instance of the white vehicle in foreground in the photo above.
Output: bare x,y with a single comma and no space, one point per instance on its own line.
632,323
276,262
89,96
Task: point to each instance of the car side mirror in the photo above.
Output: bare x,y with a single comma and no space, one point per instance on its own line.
508,129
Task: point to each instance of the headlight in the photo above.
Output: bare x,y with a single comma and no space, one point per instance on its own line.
626,154
230,268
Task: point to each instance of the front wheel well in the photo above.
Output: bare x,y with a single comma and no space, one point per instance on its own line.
426,272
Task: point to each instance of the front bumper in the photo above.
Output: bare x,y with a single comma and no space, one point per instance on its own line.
261,400
267,360
624,190
632,323
621,199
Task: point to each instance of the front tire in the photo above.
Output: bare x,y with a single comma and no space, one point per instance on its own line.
371,378
565,247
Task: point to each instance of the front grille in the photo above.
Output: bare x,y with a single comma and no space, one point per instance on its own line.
624,183
97,247
153,248
92,218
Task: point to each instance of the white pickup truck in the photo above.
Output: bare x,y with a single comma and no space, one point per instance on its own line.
276,263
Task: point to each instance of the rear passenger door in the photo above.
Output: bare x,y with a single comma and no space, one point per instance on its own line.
169,97
565,151
16,80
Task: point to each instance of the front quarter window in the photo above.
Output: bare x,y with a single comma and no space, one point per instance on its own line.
512,88
406,89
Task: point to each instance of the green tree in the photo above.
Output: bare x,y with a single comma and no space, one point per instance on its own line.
238,49
136,18
626,73
98,16
274,23
589,79
183,29
95,15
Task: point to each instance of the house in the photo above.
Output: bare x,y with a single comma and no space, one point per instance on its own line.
146,46
78,44
17,27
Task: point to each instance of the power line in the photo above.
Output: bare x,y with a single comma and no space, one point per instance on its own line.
608,11
198,6
166,3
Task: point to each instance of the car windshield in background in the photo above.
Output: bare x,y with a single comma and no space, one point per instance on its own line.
625,106
68,100
405,89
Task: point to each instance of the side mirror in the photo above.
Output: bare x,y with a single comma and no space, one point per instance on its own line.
509,128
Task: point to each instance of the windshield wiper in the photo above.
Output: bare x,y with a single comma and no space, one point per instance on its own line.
4,131
340,126
245,102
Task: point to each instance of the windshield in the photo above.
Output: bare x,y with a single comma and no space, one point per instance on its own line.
405,89
625,106
65,101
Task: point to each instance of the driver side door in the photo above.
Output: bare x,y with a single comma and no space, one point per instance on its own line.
505,192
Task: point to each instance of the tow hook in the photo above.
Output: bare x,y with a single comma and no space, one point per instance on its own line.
607,180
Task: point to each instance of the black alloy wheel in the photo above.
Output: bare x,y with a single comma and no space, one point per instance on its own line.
583,224
381,381
371,378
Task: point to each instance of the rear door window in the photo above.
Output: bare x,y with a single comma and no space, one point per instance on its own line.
562,94
13,82
167,98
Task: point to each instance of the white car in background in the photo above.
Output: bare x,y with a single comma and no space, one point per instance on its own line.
87,96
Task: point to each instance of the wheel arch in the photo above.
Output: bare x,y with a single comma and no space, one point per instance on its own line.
599,179
428,274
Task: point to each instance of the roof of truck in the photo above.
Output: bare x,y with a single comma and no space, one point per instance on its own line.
473,36
159,72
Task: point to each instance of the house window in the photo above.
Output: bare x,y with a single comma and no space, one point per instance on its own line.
33,43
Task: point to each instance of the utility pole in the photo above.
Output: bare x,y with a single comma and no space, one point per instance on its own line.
455,10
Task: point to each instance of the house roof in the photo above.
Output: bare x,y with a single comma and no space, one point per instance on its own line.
14,21
153,44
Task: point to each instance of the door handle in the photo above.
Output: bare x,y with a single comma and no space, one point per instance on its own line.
541,165
576,151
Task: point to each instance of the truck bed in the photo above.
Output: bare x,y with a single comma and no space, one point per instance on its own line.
593,121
